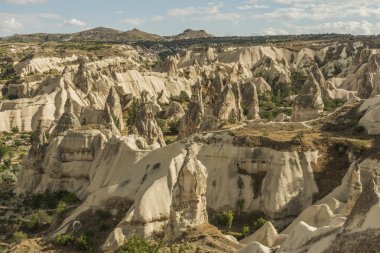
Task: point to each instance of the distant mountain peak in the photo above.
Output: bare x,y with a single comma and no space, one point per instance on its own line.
193,34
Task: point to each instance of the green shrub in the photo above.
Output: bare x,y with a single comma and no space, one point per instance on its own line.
259,223
64,240
240,205
3,151
226,218
266,115
132,112
332,104
50,200
82,243
245,230
162,124
36,221
15,130
7,72
174,126
137,245
19,236
184,97
7,175
62,207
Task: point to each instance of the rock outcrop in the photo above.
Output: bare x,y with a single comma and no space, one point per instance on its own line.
170,66
65,163
175,110
191,122
308,104
67,121
114,107
146,125
266,235
227,108
250,100
371,119
188,208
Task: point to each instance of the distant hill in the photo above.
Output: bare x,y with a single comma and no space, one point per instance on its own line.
192,34
137,35
96,34
103,34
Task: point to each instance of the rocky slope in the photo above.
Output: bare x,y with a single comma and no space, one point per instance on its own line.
274,136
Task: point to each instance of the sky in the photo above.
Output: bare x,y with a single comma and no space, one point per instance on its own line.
169,17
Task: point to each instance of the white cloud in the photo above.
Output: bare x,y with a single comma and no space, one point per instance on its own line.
212,9
232,17
157,18
10,24
25,1
321,9
252,6
274,31
348,27
133,21
75,22
119,12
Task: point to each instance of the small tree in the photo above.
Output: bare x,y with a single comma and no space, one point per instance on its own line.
132,112
3,151
184,97
226,218
137,245
15,130
259,223
245,230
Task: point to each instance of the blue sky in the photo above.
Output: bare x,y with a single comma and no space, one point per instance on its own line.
167,17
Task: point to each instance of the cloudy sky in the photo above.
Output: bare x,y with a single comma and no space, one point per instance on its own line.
167,17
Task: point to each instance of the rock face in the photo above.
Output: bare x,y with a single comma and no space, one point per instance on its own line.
348,227
146,125
308,104
274,71
192,120
266,235
228,106
114,107
370,78
65,163
371,119
262,86
68,120
174,110
188,208
108,120
279,184
318,76
250,100
170,66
